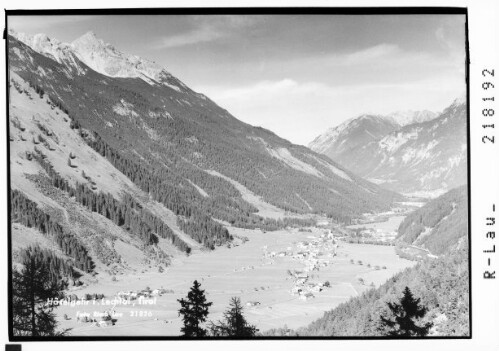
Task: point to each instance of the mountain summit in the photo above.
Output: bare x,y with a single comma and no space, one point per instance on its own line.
426,157
101,57
351,133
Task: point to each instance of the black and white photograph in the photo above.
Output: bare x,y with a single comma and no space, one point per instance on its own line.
239,174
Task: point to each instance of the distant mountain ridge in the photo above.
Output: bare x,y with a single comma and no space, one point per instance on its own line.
427,157
353,132
410,116
365,128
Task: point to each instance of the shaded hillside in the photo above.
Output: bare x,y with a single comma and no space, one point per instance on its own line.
441,225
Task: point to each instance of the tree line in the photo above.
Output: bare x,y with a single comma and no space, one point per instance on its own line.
127,214
27,212
194,310
58,267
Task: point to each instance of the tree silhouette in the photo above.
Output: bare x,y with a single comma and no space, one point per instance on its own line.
406,313
194,311
234,323
31,287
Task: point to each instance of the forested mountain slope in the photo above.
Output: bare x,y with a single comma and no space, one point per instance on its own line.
114,151
439,226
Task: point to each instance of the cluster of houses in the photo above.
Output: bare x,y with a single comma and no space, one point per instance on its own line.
145,293
103,319
304,288
252,304
312,253
378,234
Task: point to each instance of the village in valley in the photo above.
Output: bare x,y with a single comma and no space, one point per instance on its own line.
303,263
313,253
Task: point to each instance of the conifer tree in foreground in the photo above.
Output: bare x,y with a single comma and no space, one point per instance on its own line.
406,313
194,311
31,287
234,323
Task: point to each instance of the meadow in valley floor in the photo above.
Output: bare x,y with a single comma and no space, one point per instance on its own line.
245,272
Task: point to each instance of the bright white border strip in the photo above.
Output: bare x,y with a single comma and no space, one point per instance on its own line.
484,53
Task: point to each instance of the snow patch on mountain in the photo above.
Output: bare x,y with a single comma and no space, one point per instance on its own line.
401,118
333,169
410,117
124,108
285,156
461,100
305,202
164,114
200,190
174,87
264,209
415,155
392,143
322,142
192,139
106,59
433,174
51,48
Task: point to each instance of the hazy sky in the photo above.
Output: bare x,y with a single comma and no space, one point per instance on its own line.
295,75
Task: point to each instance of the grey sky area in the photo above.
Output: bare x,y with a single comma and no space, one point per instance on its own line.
295,75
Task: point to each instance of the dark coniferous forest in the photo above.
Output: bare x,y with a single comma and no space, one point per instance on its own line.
444,221
27,212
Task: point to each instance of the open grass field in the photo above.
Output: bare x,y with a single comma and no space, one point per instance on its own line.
390,225
241,271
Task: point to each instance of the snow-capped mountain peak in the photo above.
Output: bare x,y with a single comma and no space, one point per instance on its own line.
106,59
321,143
46,46
88,42
461,100
102,57
409,116
352,132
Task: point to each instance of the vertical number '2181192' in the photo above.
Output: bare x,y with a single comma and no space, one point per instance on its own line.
487,110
